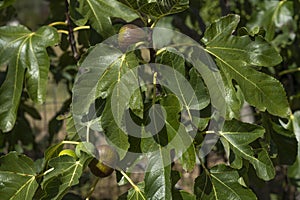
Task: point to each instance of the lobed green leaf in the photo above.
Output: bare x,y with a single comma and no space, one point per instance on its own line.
236,54
239,135
100,12
23,52
221,182
17,177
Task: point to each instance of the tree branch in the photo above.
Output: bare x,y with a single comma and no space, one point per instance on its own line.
71,32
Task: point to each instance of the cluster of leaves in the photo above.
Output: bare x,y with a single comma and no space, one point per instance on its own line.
255,51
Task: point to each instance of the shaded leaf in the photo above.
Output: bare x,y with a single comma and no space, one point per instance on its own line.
65,172
17,177
221,184
178,137
173,58
199,88
187,196
101,77
32,111
6,3
121,85
115,134
293,170
274,15
234,101
239,135
188,158
71,196
53,151
10,94
71,129
286,144
99,73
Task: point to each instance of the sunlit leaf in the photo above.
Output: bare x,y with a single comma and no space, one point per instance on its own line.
134,194
158,177
99,13
162,8
221,43
23,50
236,55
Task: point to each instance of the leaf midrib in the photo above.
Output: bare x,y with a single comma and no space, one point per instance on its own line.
233,69
236,49
229,188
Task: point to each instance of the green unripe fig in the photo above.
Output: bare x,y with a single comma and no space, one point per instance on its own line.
68,152
130,34
108,159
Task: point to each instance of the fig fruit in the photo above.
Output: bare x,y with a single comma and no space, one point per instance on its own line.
68,152
108,159
130,34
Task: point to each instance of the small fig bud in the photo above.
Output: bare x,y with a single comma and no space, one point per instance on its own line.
108,159
130,34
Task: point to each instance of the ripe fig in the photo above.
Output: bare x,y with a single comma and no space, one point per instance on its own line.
68,152
130,34
108,159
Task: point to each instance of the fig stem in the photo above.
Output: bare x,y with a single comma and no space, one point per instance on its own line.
135,187
289,71
208,132
63,31
154,24
81,28
154,88
92,189
58,23
88,132
46,172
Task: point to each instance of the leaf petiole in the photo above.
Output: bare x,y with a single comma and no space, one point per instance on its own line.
92,188
70,142
288,71
58,23
81,28
63,31
46,172
135,187
74,30
154,87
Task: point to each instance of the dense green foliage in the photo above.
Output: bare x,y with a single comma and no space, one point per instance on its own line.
255,47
